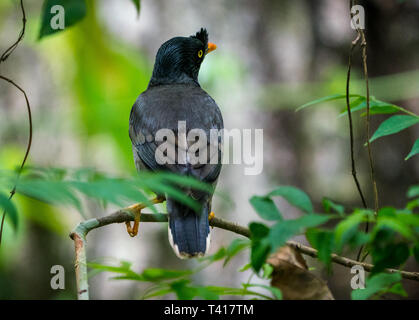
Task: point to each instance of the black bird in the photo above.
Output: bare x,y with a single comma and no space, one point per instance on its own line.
174,94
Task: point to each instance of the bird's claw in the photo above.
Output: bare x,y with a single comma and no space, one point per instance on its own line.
133,231
211,216
136,208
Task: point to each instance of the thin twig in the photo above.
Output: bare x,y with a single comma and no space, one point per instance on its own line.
10,50
367,121
351,131
361,35
127,214
3,57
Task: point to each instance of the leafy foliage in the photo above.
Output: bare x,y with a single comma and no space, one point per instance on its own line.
393,239
393,125
179,282
390,126
64,187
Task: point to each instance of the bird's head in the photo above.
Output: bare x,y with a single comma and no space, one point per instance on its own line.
178,60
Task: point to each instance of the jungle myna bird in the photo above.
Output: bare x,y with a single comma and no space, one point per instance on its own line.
174,95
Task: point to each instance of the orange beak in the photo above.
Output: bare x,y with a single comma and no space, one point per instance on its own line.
211,47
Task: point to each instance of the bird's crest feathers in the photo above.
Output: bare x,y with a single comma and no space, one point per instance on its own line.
202,35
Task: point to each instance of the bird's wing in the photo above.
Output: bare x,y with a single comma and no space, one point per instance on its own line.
162,108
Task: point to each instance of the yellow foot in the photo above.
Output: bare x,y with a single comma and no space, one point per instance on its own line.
136,209
133,231
211,216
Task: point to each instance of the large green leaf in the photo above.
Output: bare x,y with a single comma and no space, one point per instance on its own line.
294,196
348,228
389,255
260,245
74,11
414,151
265,207
393,125
388,249
376,107
10,209
323,241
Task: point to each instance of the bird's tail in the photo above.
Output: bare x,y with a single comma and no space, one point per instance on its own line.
189,231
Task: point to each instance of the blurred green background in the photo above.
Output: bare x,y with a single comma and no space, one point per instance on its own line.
272,57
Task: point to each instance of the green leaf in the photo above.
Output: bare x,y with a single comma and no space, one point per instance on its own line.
157,274
325,99
54,192
148,275
124,269
294,196
375,284
398,289
275,291
412,204
172,178
245,267
10,209
348,228
414,151
183,290
260,245
137,4
413,191
324,242
220,254
186,292
267,270
234,248
115,191
284,230
393,125
329,205
389,256
397,220
74,11
265,207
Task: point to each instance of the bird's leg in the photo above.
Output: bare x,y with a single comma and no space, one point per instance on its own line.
136,209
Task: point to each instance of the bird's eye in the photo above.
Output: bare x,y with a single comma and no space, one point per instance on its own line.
200,53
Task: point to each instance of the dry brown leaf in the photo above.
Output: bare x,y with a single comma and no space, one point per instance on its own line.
292,277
